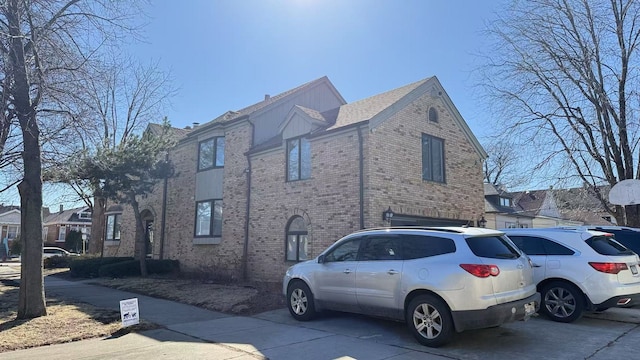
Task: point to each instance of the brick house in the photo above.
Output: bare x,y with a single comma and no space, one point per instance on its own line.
56,226
277,182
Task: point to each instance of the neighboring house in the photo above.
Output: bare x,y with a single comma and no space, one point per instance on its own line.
9,222
542,208
56,226
275,183
501,211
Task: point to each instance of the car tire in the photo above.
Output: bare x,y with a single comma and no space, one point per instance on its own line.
562,302
300,301
429,320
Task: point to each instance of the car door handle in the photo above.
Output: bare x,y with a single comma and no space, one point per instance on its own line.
536,265
347,271
393,272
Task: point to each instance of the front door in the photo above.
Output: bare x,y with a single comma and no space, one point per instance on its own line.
336,281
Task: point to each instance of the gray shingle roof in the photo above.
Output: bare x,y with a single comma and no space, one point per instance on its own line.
366,109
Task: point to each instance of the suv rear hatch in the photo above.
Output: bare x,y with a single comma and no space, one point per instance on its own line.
515,278
624,263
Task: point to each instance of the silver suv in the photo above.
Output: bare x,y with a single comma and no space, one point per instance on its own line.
438,280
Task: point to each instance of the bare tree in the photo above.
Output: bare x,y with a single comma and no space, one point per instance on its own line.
504,164
119,99
568,71
43,45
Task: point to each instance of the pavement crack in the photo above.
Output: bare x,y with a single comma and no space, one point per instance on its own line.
612,342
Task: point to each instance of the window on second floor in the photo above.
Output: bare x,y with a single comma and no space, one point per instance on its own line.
298,159
211,153
85,215
505,201
432,158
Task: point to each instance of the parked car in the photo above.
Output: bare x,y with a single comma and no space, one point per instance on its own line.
437,280
49,251
578,270
627,236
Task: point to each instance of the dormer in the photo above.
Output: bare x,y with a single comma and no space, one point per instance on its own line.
301,121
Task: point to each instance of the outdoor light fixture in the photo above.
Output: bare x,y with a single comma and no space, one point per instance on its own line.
387,215
482,222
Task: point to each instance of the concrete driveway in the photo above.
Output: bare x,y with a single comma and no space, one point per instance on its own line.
197,333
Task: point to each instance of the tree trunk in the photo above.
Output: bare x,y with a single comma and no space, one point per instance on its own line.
97,224
31,302
140,244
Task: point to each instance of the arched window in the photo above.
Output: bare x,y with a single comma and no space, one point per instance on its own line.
433,114
297,235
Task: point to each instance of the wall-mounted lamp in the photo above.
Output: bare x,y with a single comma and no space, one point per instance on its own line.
387,215
482,222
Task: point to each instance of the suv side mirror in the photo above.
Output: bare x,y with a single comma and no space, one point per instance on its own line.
321,259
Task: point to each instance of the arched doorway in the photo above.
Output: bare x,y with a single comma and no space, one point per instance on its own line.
147,222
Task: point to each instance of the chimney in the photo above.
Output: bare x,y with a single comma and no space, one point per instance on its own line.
267,97
61,208
196,124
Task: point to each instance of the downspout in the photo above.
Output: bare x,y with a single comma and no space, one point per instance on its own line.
361,165
245,249
164,210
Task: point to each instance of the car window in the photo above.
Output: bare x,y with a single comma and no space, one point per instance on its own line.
531,245
494,247
629,238
381,247
416,246
347,251
605,245
553,248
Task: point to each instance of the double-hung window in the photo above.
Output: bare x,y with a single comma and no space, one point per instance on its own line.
211,153
298,159
432,158
113,227
208,218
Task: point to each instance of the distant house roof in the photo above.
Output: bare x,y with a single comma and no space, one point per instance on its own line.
67,216
6,208
530,201
492,203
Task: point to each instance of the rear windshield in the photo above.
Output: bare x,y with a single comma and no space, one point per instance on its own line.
605,245
628,238
494,247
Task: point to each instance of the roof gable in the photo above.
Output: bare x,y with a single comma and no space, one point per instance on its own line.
301,120
378,108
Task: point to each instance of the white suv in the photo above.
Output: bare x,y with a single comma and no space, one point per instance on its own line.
438,280
579,270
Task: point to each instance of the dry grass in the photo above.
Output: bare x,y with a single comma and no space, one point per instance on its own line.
246,299
64,322
67,321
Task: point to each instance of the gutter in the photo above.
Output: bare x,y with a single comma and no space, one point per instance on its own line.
361,166
245,248
164,211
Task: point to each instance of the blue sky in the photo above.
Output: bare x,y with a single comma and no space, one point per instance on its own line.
227,54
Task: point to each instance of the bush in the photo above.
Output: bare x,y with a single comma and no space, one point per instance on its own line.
55,262
89,267
132,268
16,246
73,241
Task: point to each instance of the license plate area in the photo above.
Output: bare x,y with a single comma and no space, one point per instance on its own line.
529,310
634,269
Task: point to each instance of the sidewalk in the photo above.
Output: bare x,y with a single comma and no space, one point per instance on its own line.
194,333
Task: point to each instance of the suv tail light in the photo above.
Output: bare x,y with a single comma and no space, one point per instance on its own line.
480,270
609,268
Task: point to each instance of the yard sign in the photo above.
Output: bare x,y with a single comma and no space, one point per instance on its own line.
129,312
